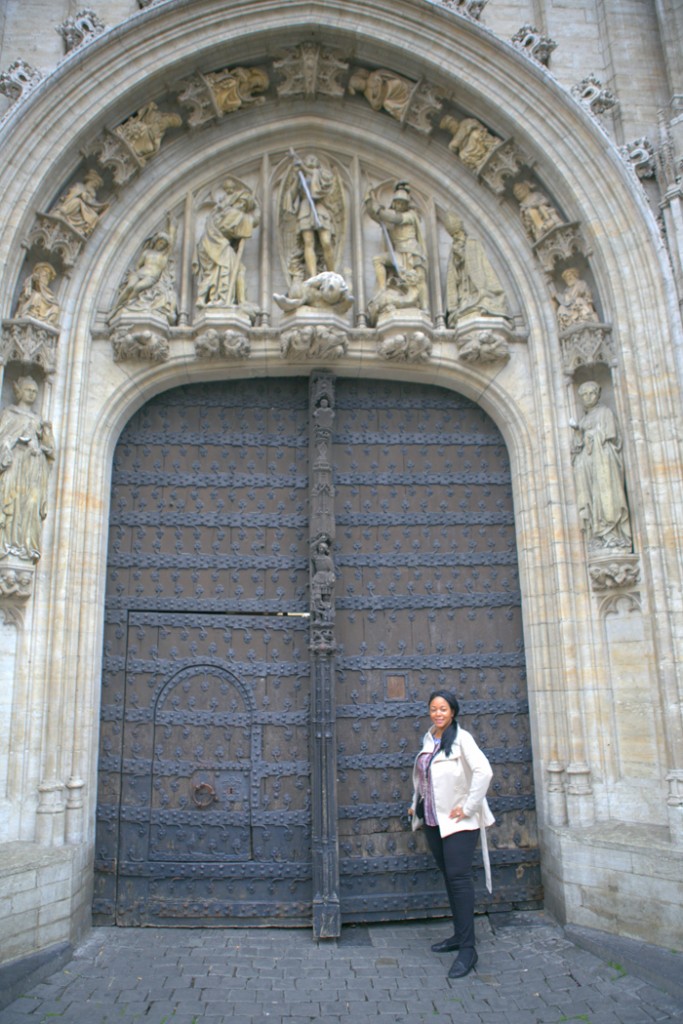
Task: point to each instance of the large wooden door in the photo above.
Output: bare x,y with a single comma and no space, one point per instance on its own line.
220,799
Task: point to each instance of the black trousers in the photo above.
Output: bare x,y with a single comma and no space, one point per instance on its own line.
454,855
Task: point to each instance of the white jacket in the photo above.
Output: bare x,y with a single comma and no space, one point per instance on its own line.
461,779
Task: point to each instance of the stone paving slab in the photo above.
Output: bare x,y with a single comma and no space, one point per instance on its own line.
529,972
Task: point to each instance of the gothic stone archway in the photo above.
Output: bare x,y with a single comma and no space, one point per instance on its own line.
211,793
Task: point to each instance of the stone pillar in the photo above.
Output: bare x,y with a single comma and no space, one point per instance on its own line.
325,838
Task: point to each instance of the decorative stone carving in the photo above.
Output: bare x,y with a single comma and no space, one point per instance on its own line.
212,344
218,265
640,156
591,93
472,8
313,341
599,470
487,346
310,70
471,141
29,343
560,244
472,286
36,299
574,303
144,131
586,345
149,286
80,29
16,581
537,212
212,95
530,41
614,573
411,103
408,348
327,290
66,227
503,162
27,451
401,267
131,343
312,225
19,79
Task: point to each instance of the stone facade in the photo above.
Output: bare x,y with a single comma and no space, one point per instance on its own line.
543,166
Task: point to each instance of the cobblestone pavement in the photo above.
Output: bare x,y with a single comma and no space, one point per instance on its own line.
528,973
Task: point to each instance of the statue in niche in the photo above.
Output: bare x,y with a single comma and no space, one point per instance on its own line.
312,221
472,287
470,140
322,579
27,451
79,206
233,89
150,285
144,131
221,278
575,302
401,268
384,90
599,468
537,212
36,298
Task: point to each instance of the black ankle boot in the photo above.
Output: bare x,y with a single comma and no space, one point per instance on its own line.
464,963
446,945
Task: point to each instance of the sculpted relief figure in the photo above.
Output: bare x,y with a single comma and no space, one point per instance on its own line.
599,468
36,298
27,450
401,268
470,140
575,302
384,90
537,212
472,286
234,89
150,285
312,222
221,279
79,206
145,130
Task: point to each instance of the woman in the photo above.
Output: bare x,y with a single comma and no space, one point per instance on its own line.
450,780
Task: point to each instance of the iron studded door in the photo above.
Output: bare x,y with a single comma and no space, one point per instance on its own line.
204,775
427,597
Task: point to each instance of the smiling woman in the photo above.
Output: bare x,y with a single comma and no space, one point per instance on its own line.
451,775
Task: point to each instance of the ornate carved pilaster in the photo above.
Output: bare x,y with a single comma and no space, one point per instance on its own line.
325,840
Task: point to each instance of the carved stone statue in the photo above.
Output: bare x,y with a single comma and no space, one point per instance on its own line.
322,578
384,90
472,286
79,206
36,298
575,302
599,468
145,130
471,140
326,290
401,268
218,261
537,212
27,450
232,89
312,211
150,286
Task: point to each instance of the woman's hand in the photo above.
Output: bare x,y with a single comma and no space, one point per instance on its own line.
457,813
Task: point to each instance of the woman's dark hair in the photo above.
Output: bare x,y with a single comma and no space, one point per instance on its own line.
449,734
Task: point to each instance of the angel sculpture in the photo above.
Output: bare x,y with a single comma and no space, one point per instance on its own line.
312,222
